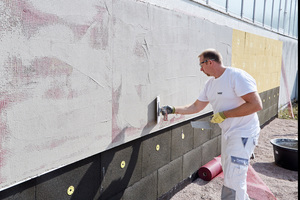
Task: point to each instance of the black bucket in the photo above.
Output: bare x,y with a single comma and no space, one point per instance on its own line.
286,153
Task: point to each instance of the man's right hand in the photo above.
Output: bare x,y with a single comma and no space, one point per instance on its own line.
165,110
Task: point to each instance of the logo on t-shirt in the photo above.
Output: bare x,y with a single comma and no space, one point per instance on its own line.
219,92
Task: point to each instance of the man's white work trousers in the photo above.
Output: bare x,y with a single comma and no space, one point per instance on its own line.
235,156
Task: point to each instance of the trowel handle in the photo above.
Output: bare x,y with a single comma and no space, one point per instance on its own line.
163,110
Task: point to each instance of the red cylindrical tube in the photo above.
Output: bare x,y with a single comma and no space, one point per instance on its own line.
210,170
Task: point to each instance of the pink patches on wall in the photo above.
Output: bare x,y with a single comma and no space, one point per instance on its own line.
26,78
99,38
56,143
51,67
49,145
6,101
55,92
139,50
171,120
17,74
177,119
100,33
118,132
21,75
17,82
3,133
3,155
138,89
59,73
60,90
115,110
18,85
31,19
131,131
79,30
72,94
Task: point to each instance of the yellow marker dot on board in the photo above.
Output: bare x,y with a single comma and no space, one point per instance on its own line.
123,164
70,190
202,129
157,147
264,100
182,136
269,97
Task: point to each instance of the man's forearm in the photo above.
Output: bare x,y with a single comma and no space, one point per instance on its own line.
195,107
243,110
185,110
252,104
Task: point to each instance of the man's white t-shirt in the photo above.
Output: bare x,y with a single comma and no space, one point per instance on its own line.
224,93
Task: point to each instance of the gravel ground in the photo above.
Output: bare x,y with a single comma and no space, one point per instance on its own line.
283,183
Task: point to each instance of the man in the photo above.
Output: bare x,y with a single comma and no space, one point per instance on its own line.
233,95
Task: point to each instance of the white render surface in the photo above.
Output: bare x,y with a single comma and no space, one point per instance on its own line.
80,77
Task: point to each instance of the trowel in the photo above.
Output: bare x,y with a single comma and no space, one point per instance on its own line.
201,124
158,111
195,124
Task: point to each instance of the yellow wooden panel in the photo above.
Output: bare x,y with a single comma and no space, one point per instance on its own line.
276,48
259,56
249,44
261,42
238,41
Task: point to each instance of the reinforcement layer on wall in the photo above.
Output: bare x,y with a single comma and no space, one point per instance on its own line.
81,77
152,167
78,78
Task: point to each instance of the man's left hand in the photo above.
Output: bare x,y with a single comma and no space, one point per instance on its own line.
218,117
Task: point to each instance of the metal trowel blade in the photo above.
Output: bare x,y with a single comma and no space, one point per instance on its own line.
158,110
201,124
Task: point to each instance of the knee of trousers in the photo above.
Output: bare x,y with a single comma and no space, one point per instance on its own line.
230,194
235,176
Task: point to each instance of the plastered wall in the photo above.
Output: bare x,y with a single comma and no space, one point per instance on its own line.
78,78
289,82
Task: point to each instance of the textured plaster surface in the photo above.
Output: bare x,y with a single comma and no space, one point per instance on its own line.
78,78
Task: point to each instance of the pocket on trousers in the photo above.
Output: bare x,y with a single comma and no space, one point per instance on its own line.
238,167
237,171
